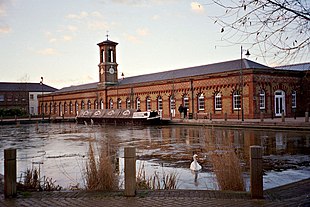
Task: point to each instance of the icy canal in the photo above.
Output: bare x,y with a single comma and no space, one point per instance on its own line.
60,151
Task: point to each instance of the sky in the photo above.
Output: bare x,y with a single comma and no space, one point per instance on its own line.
57,39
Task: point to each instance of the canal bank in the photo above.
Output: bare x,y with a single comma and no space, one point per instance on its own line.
297,123
294,194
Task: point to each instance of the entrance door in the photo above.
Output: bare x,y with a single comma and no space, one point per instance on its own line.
279,102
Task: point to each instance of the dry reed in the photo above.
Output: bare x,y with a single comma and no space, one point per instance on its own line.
100,174
156,182
227,168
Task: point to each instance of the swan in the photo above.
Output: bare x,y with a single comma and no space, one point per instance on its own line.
195,165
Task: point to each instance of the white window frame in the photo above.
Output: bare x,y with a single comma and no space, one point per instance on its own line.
76,107
236,100
111,103
201,102
294,100
218,101
82,105
185,101
138,103
119,103
262,99
159,103
128,103
148,104
101,104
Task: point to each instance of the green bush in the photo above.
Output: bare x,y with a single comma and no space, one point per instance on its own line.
12,112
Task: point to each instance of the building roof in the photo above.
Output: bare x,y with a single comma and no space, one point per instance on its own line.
82,87
178,73
25,87
195,71
298,67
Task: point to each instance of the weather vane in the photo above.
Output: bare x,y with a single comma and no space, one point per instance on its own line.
107,35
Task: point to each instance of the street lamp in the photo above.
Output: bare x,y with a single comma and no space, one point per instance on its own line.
247,54
42,108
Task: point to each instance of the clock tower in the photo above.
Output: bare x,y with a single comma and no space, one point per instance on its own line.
107,66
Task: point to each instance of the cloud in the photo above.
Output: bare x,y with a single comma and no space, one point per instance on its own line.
2,8
143,2
155,17
72,28
96,14
97,25
132,38
196,7
5,29
67,38
48,52
143,32
81,15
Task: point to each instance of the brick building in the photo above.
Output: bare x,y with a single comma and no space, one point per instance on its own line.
239,88
22,96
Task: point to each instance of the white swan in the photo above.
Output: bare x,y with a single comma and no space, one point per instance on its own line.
195,165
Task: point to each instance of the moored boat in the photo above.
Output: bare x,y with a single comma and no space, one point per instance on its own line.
118,116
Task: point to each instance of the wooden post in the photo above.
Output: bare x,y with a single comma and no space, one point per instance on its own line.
256,171
9,173
262,116
130,171
225,116
306,116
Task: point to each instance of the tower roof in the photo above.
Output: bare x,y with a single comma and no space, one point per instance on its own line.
107,42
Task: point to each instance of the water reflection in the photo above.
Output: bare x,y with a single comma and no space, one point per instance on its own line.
62,148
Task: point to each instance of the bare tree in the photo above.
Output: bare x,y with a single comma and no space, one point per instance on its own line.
279,28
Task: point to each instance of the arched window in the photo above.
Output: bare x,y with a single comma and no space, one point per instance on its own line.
51,108
101,104
111,104
82,105
236,100
262,99
60,109
159,103
148,104
88,104
70,107
119,103
138,104
201,102
55,108
218,101
185,101
95,104
294,102
45,108
128,104
76,108
66,107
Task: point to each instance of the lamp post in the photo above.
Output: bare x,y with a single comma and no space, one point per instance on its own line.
241,77
42,108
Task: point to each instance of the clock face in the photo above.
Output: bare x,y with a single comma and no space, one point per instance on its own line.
111,70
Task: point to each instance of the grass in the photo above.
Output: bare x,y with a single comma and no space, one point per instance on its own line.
100,173
32,181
